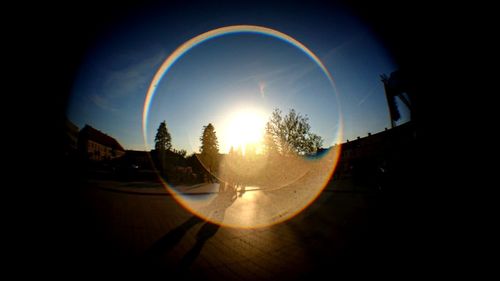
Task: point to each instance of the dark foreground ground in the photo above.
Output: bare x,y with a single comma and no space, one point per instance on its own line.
126,234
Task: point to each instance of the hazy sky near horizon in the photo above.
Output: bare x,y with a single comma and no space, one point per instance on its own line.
232,73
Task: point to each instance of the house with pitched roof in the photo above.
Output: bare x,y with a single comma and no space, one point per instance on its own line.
96,145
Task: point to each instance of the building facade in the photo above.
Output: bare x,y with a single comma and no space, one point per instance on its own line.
70,141
96,145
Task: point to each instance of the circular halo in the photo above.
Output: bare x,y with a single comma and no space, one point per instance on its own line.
323,167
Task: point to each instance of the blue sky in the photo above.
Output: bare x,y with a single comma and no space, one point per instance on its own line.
232,72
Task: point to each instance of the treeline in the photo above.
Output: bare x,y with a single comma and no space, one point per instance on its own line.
285,138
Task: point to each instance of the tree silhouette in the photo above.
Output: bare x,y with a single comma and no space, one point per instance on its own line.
163,140
269,142
391,99
209,148
290,134
182,152
163,143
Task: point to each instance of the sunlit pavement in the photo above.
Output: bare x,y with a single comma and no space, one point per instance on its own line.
130,227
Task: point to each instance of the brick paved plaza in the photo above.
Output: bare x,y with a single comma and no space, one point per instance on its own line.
138,228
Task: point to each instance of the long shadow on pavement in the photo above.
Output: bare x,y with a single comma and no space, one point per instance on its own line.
206,232
215,211
169,240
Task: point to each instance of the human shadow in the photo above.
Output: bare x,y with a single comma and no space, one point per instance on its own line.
169,240
206,232
241,191
214,212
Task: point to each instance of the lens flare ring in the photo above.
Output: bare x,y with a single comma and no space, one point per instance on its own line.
331,157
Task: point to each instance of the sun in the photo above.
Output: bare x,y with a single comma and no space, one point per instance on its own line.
245,127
